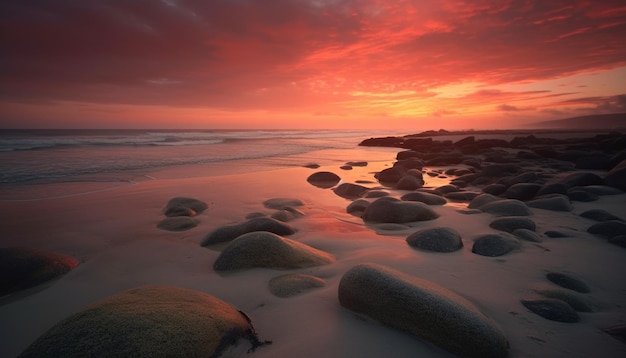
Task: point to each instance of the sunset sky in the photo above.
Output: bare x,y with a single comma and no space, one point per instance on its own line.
308,63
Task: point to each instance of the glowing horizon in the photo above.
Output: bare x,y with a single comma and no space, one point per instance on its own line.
309,63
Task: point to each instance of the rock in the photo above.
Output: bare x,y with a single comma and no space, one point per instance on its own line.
527,235
556,202
345,167
357,207
494,189
376,193
22,268
581,195
445,189
282,203
183,206
177,223
577,301
553,188
499,170
268,250
284,215
312,166
323,180
391,210
462,195
357,164
599,190
599,215
409,163
256,215
426,198
350,191
230,232
567,281
593,162
571,180
609,228
522,191
552,309
510,224
294,284
409,182
390,175
439,239
506,207
617,176
526,177
617,331
493,245
423,309
482,200
556,234
619,240
150,321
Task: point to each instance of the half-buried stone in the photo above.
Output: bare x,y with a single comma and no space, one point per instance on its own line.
392,210
177,223
493,245
510,224
528,235
150,321
350,191
599,215
426,198
482,200
323,180
568,281
609,228
421,308
22,268
439,239
264,249
294,284
552,309
282,203
553,202
506,207
230,232
183,206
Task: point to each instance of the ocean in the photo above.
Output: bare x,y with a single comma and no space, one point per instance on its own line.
45,156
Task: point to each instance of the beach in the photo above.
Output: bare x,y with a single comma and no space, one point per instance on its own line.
110,227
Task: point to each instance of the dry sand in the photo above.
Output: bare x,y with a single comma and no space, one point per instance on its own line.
111,229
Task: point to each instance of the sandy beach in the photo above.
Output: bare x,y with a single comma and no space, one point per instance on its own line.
111,229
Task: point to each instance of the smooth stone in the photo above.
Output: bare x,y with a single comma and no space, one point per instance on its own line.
601,190
448,188
22,268
426,198
390,175
527,235
482,200
345,167
357,207
256,215
462,195
409,182
381,228
282,203
350,191
600,215
312,166
284,215
576,300
568,281
268,250
557,202
571,180
391,210
230,232
552,309
150,321
499,170
556,234
177,223
609,228
357,164
510,224
617,176
581,195
493,245
619,240
184,206
439,239
294,284
552,188
617,331
494,189
522,191
376,194
506,207
526,177
323,180
421,308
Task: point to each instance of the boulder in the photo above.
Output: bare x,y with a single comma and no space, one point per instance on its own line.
230,232
439,239
390,175
552,309
528,235
617,176
323,180
506,207
599,215
357,164
409,182
22,268
599,190
609,228
183,206
568,281
423,309
499,170
482,200
426,198
445,189
294,284
510,224
593,162
571,180
493,245
150,321
494,189
282,203
376,193
391,210
268,250
350,191
555,202
357,207
522,191
177,223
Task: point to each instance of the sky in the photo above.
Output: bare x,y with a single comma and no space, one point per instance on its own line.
372,64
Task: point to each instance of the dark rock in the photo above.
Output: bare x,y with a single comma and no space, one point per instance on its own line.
423,309
282,203
439,239
445,189
183,206
599,215
527,235
577,301
426,198
482,200
499,170
593,162
409,163
552,309
619,240
357,164
462,195
409,182
571,180
383,142
556,202
556,234
465,141
177,223
522,191
323,179
553,188
264,249
350,191
390,175
609,228
255,215
22,268
294,284
494,189
599,190
376,193
493,245
617,176
357,207
345,167
581,195
617,331
506,207
391,210
510,224
568,281
230,232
